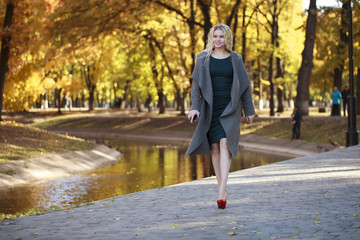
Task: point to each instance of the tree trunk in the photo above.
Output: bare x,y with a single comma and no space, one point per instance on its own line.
192,37
182,104
258,74
272,105
58,99
205,9
91,99
338,71
243,50
274,40
82,99
161,102
304,75
357,92
280,96
91,86
233,13
280,92
234,16
177,102
341,48
5,51
138,102
158,82
170,71
124,101
115,96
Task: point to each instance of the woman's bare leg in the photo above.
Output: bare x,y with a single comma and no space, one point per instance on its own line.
225,162
215,156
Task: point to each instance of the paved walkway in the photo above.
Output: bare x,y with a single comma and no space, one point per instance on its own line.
312,197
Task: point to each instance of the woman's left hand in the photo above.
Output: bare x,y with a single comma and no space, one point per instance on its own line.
249,119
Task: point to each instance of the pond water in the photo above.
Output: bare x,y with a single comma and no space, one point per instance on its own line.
143,166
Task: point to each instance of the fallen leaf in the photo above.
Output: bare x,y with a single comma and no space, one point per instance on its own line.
232,233
231,222
174,225
10,223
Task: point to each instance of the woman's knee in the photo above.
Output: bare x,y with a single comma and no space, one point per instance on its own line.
223,143
215,147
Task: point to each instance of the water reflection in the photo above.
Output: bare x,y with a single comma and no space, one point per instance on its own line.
143,166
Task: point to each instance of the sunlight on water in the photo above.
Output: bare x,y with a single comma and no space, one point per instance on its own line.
143,166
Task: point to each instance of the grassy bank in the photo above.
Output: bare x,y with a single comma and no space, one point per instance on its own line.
321,129
19,141
313,129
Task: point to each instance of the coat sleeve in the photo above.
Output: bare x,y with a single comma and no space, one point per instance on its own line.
247,102
195,89
246,97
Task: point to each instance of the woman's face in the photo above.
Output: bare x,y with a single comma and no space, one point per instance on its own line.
219,39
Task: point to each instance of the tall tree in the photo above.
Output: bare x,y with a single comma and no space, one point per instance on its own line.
274,9
245,25
5,50
304,75
87,74
158,80
358,91
341,46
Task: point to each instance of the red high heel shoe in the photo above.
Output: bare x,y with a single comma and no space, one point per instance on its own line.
221,204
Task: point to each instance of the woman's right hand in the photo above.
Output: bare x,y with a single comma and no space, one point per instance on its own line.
192,114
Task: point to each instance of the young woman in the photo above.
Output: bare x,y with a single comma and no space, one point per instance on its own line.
220,91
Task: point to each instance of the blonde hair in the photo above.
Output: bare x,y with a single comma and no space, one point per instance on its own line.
227,35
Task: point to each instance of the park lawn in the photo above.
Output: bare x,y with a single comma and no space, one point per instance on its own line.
18,141
313,129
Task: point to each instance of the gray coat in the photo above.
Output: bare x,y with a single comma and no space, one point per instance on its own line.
202,100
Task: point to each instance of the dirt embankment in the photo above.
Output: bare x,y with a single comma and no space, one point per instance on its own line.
173,129
50,166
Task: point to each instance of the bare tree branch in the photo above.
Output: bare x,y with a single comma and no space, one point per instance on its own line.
170,8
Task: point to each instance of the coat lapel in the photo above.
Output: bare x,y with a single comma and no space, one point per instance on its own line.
231,107
205,81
